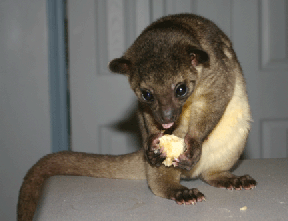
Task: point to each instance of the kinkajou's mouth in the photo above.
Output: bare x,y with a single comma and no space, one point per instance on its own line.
167,126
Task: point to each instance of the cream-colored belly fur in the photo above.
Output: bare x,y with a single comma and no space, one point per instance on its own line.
226,142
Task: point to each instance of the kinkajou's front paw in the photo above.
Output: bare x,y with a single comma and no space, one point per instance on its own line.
191,156
154,153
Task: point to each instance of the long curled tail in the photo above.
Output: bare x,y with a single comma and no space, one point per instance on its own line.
129,166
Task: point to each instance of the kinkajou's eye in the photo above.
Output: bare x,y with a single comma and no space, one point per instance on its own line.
181,90
147,95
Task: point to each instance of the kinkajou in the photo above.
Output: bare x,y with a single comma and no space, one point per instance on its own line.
189,83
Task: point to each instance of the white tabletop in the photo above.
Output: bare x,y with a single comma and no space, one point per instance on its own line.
84,198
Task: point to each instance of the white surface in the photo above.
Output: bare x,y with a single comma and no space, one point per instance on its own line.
84,198
24,95
103,106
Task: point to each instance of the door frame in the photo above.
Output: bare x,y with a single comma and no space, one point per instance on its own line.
59,102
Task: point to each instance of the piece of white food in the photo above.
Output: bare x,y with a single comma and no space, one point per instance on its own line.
173,147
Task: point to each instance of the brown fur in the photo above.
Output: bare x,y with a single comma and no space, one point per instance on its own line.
213,115
78,164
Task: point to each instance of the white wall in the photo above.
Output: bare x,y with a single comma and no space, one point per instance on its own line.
24,95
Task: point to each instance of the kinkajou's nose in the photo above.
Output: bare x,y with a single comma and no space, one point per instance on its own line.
167,115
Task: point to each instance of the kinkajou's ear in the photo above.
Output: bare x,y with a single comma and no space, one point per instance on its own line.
197,56
120,65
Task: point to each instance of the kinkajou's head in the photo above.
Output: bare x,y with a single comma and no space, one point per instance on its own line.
162,71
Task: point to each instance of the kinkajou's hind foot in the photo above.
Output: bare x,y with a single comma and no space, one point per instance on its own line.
230,181
238,183
188,196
